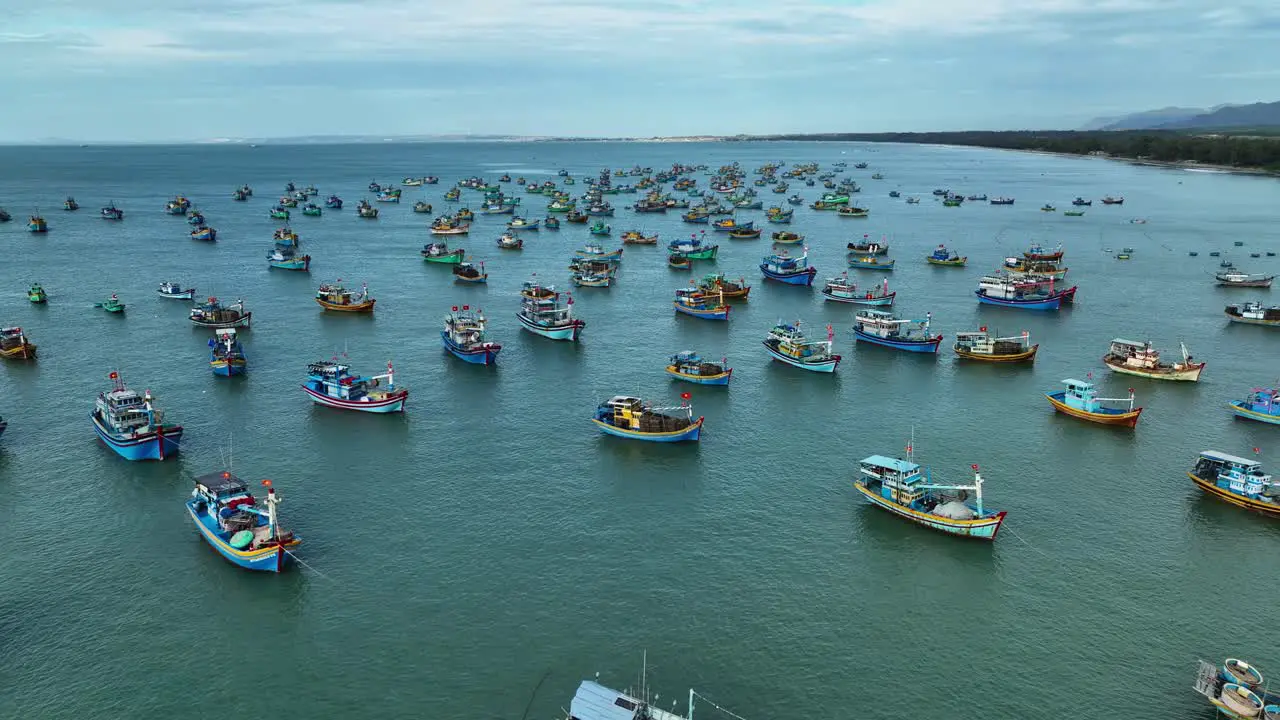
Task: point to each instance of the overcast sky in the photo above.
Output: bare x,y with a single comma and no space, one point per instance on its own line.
203,69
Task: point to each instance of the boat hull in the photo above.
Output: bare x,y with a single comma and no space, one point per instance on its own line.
242,322
188,295
1123,419
801,278
826,366
267,559
228,368
691,433
364,307
1239,410
958,262
391,404
720,379
1252,321
978,528
1190,374
301,264
156,445
486,354
568,332
25,351
452,258
1025,356
1049,303
916,346
1248,503
721,313
882,301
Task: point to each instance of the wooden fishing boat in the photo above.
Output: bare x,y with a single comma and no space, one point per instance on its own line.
37,224
175,291
840,289
312,210
870,262
463,336
205,233
943,256
1238,481
226,356
1038,253
1254,313
593,278
331,384
286,257
1261,404
465,272
522,223
449,226
333,202
4,215
510,242
453,195
694,248
787,238
339,299
692,301
905,489
744,233
230,520
718,284
690,367
132,426
789,270
422,207
365,210
868,247
177,206
594,251
631,418
1020,292
1043,268
1080,400
984,347
576,217
635,237
1073,213
440,253
787,343
1231,277
111,212
212,314
36,294
679,261
1139,358
780,217
1108,200
279,213
851,211
542,313
288,201
883,328
112,305
600,228
14,345
70,204
551,223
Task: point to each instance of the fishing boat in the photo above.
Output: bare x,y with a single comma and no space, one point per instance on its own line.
632,418
112,304
1254,313
36,294
868,247
790,270
943,256
389,195
635,237
331,384
879,327
852,211
1037,253
70,204
1238,481
576,217
690,367
239,195
982,346
1108,200
365,210
551,223
175,291
510,242
111,212
679,261
1025,292
1042,268
411,182
279,213
131,425
289,201
870,262
781,217
1081,202
787,343
744,233
226,357
339,299
177,206
522,223
465,272
599,228
4,215
14,345
594,278
787,238
37,224
463,215
230,520
543,313
1048,208
195,218
693,301
905,489
795,200
449,226
694,248
440,253
1261,404
333,202
594,251
286,257
718,284
1236,689
4,425
312,210
204,233
1080,400
841,289
1139,358
1231,277
1073,213
213,315
463,335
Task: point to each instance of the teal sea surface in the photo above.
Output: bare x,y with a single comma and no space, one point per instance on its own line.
479,555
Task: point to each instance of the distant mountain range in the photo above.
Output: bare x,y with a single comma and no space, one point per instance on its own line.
1176,118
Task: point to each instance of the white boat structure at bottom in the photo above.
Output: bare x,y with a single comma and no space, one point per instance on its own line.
594,701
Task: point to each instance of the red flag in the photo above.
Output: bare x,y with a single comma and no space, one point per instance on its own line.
267,483
455,308
983,328
1256,451
114,375
685,395
975,468
908,448
466,307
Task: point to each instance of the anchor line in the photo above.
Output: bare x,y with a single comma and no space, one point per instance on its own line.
730,713
537,687
1024,542
301,562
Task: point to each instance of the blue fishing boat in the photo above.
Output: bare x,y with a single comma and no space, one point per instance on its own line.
331,384
630,417
196,218
870,262
286,257
1238,481
841,290
1262,404
177,206
788,344
1080,400
594,251
240,194
708,306
131,426
204,233
522,223
789,270
466,272
690,367
1027,293
551,223
905,489
230,520
37,224
226,357
333,202
111,212
542,313
884,328
463,335
175,291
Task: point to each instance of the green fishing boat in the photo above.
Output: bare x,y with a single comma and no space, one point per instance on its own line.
599,228
111,304
312,210
1073,213
279,213
36,294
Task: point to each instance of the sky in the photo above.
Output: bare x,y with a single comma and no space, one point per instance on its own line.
147,70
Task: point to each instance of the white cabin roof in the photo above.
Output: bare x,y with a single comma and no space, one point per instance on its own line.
1223,457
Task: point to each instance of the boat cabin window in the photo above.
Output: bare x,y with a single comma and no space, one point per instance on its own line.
624,703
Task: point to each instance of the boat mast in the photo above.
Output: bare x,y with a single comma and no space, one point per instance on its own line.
272,501
690,716
977,488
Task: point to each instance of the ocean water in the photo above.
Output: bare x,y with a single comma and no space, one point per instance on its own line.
481,554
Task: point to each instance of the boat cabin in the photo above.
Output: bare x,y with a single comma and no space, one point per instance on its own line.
896,479
1254,311
1134,354
223,488
124,410
632,413
1234,474
594,701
